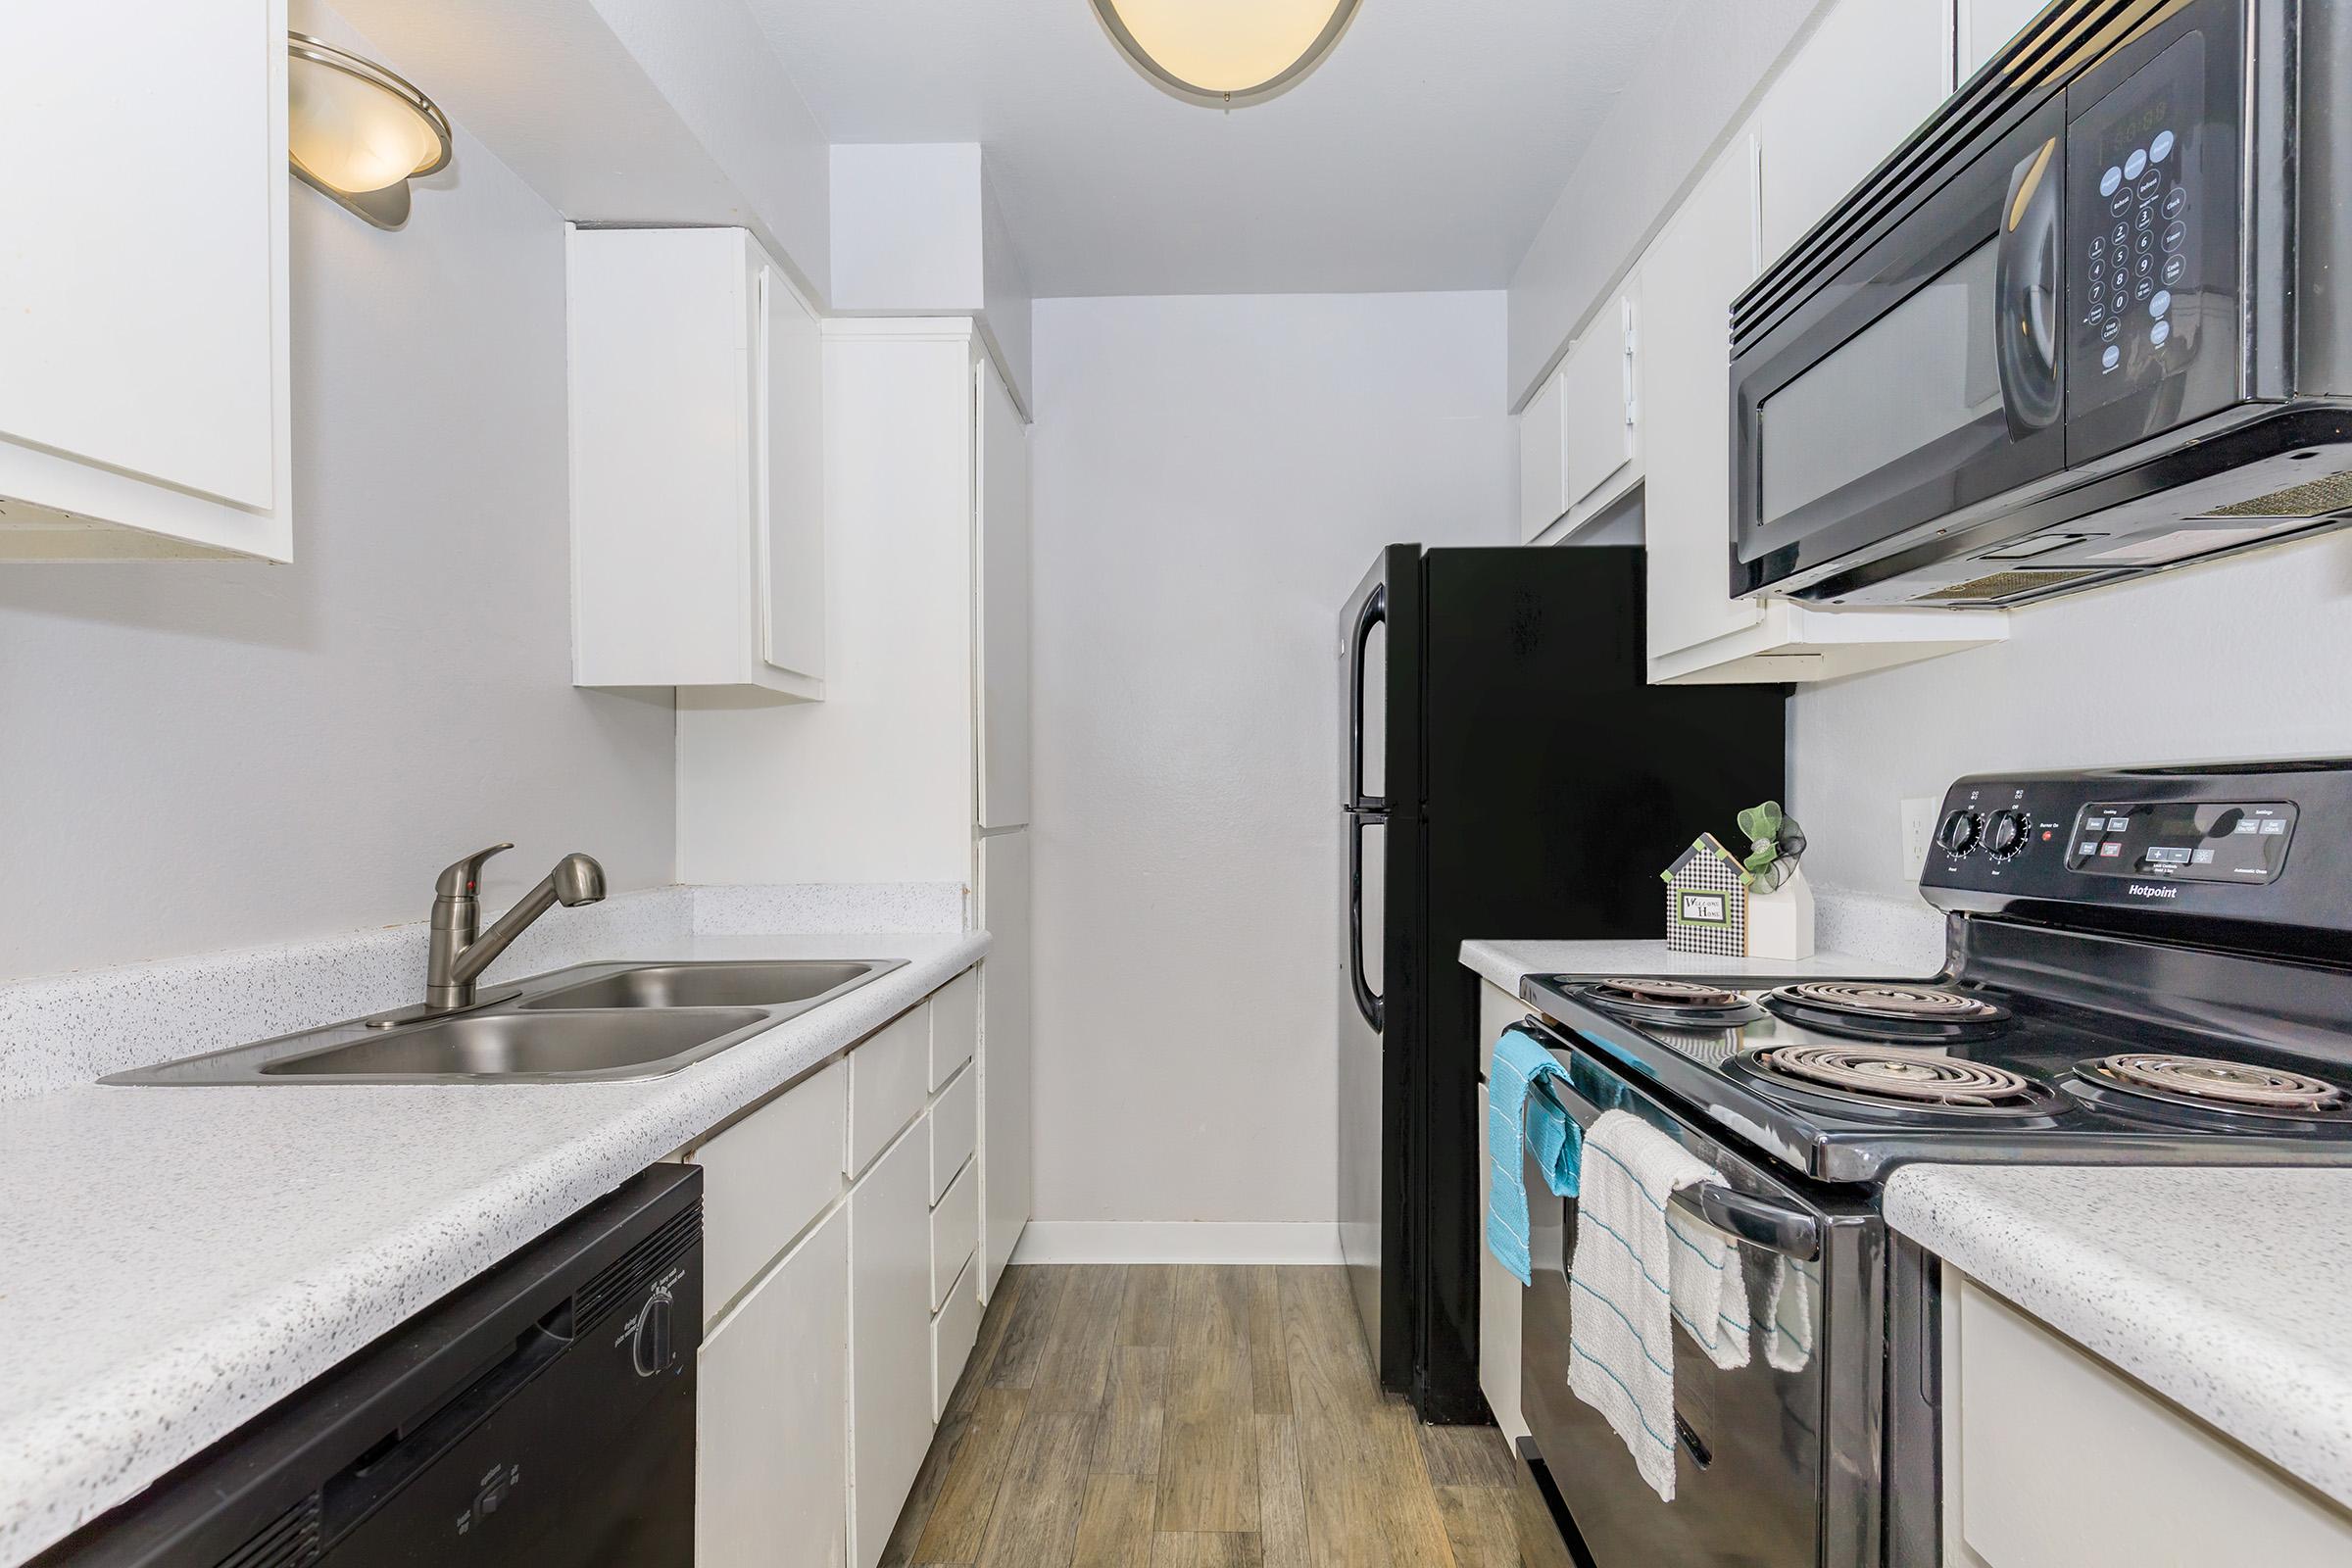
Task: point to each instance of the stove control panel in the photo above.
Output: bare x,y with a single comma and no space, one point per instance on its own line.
2197,841
2240,855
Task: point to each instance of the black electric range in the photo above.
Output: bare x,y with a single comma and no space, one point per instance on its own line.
2143,966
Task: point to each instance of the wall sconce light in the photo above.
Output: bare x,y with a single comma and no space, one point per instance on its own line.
357,132
1225,53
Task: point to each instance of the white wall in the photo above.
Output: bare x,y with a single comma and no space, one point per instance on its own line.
197,756
2233,660
1212,476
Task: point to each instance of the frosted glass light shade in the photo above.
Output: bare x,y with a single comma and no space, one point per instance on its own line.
358,132
1226,51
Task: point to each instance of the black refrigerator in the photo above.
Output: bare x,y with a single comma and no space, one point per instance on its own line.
1507,772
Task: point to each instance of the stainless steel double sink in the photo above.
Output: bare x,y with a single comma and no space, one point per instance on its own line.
593,1021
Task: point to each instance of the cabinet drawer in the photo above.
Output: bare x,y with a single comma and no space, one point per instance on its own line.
954,1130
954,1230
953,1334
765,1178
886,1084
2054,1459
954,1025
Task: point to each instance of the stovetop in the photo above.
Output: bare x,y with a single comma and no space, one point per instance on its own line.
1960,1072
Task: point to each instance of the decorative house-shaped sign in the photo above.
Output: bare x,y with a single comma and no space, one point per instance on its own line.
1706,902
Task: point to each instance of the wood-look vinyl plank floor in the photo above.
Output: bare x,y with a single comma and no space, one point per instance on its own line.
1202,1416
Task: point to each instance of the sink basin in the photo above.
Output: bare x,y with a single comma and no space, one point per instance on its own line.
518,1045
751,984
590,1021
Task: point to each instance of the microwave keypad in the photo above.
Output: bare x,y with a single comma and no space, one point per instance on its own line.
2134,209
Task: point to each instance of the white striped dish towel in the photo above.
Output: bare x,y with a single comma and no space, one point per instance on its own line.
1638,1269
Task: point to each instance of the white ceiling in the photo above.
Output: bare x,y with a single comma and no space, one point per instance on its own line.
1421,155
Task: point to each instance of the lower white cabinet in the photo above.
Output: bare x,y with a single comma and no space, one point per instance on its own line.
1500,1301
1005,1158
2055,1460
773,1450
955,1329
890,1337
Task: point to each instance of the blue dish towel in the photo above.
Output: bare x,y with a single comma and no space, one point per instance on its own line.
1516,1097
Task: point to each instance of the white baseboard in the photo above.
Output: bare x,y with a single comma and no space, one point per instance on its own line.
1153,1241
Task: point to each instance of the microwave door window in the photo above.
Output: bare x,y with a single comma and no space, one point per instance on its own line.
1916,392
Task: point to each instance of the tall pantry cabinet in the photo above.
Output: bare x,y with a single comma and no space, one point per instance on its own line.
914,768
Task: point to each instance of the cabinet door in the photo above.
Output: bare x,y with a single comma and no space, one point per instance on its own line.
1871,73
1002,445
1005,1023
772,1416
1704,257
790,507
144,273
1985,27
890,1338
1542,459
1598,388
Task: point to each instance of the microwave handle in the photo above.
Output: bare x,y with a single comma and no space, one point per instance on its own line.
2025,320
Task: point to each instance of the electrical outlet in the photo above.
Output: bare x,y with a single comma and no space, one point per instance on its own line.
1919,832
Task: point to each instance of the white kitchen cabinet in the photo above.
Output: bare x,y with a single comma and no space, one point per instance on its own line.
1006,1160
1499,1299
144,404
1697,631
889,1071
765,1177
1602,405
955,1026
1001,642
890,1340
1983,28
954,1331
1871,72
698,502
771,1415
2055,1460
1543,457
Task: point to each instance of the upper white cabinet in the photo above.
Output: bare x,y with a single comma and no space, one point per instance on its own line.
1697,631
698,498
143,283
1869,75
1701,260
1543,457
1001,637
1984,26
1601,388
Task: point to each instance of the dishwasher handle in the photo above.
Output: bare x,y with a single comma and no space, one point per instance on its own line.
416,1445
1774,1227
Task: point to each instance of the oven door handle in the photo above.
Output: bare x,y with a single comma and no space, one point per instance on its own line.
1790,1232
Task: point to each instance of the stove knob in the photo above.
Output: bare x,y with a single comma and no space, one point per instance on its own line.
1958,835
2005,834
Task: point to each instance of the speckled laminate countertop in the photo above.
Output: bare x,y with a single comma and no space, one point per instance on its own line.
1506,962
2226,1290
173,1260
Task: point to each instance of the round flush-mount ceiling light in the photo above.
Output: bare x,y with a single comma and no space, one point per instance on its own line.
1226,52
357,132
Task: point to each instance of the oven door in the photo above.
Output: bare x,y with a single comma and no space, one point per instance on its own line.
1778,1462
1927,375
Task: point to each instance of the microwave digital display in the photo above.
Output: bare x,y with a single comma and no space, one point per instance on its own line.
2136,221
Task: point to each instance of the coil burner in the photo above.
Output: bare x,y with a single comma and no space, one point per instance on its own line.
1681,1002
2204,1083
1899,1077
1899,1015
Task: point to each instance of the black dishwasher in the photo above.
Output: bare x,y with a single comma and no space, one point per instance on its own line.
539,1416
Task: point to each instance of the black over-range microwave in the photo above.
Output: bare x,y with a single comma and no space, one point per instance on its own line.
2089,322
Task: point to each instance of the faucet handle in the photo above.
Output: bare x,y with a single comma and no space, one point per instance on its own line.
457,879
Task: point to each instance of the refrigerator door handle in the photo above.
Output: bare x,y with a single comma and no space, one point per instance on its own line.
1374,613
1367,1001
